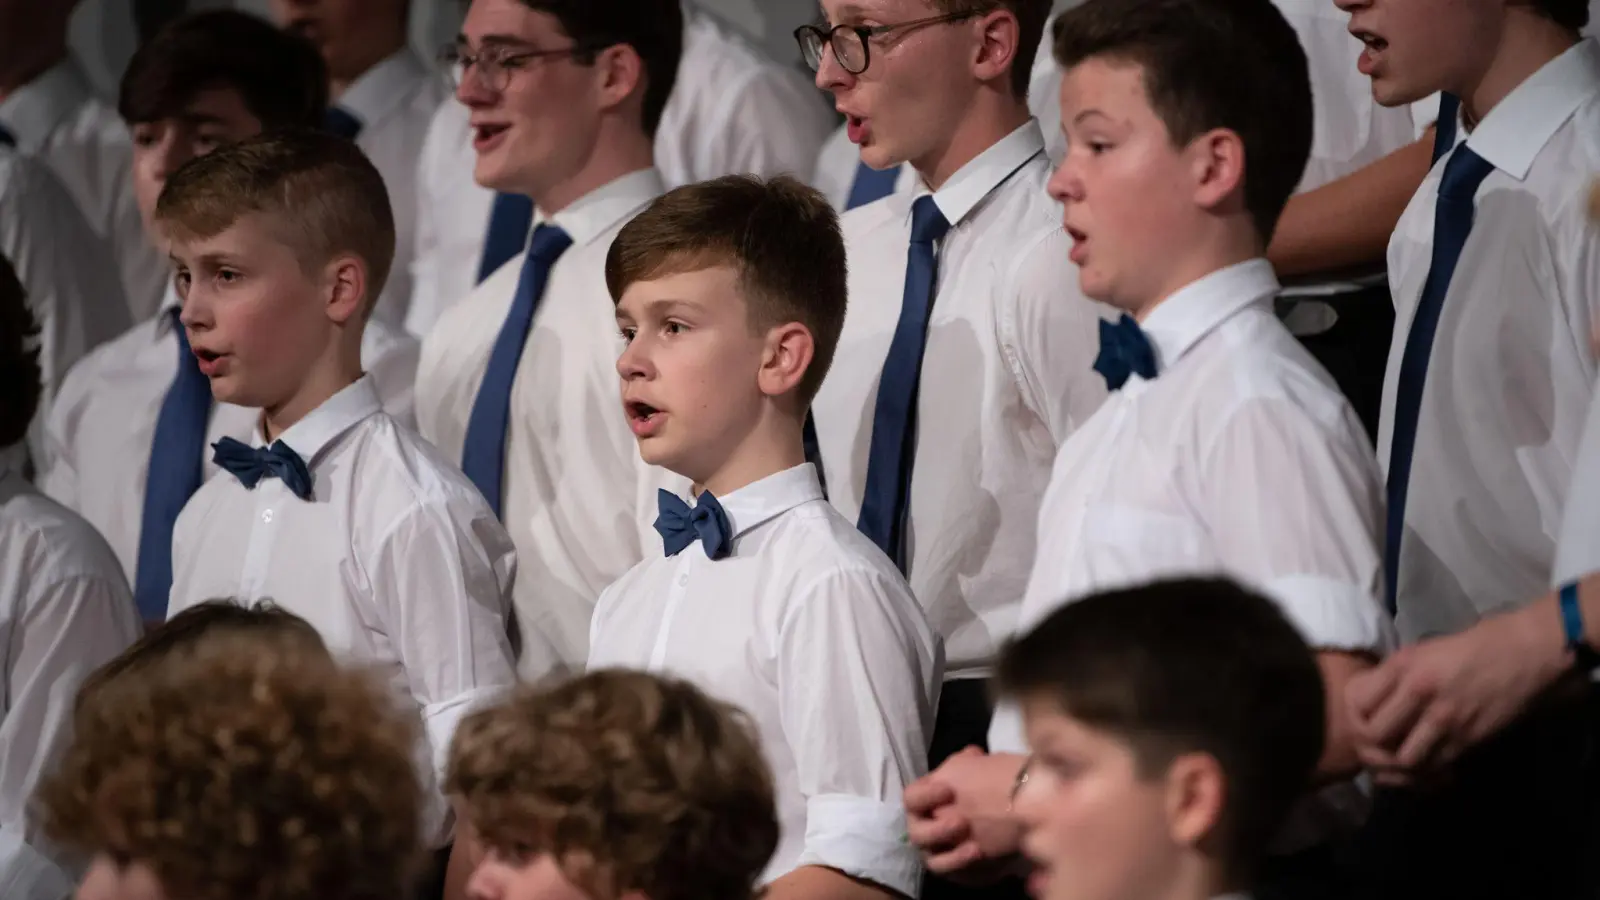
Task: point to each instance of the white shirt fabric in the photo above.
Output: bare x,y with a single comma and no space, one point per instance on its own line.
56,118
396,561
1006,378
65,610
1512,368
1578,546
1241,459
65,269
395,101
808,628
578,501
732,110
98,433
840,158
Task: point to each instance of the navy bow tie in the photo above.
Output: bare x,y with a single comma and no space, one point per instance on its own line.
681,526
251,464
1124,350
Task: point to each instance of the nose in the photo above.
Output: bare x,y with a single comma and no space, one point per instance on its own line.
473,89
169,155
1351,6
831,76
634,362
1066,185
483,885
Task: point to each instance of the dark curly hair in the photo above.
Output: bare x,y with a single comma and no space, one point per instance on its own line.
631,782
238,768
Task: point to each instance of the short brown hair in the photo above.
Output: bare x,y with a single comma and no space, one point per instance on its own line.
1234,64
1188,666
19,358
782,236
1031,16
653,28
279,76
241,771
323,191
630,781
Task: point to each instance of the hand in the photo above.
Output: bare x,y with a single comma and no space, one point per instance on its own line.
1420,709
959,815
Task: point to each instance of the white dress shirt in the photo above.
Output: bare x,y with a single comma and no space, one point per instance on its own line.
65,610
98,433
578,500
1005,379
65,269
396,560
731,110
57,119
395,101
808,628
840,158
1578,546
1512,367
1240,458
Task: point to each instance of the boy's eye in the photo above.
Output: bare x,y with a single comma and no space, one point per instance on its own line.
676,328
228,276
627,332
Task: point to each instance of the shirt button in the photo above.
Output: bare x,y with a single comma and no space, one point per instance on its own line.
267,517
683,580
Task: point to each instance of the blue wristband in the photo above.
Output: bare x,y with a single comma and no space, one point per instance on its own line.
1572,616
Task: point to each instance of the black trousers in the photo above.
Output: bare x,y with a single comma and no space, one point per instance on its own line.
963,721
1518,817
1355,351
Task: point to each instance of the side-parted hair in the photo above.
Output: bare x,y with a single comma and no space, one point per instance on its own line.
653,28
19,358
781,236
243,770
1031,18
1181,667
629,781
1208,64
321,193
280,77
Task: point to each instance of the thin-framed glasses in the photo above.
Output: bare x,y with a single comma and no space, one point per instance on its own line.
495,64
851,42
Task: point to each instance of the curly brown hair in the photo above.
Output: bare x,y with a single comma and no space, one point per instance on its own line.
238,768
630,781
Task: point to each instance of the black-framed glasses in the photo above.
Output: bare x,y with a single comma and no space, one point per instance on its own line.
850,43
495,64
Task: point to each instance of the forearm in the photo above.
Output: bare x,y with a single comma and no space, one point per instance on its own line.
1347,223
1339,758
821,883
1546,640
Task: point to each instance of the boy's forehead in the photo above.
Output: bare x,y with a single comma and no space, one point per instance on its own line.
248,232
703,286
1111,87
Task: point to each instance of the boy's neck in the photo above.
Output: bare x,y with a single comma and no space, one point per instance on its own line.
1528,42
769,449
617,152
992,117
320,385
1224,251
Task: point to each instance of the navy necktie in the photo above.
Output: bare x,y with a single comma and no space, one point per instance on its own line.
251,464
1124,351
871,184
342,122
1452,222
1444,130
7,139
173,476
680,526
889,458
483,457
509,220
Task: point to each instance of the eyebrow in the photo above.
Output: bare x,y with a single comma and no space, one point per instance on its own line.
661,306
497,40
1087,113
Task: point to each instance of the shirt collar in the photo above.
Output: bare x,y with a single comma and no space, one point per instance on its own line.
169,302
382,88
1518,127
34,110
988,170
1188,315
762,501
593,214
338,414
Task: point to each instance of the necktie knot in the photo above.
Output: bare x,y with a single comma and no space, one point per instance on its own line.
251,464
1124,351
928,224
1464,172
547,245
680,526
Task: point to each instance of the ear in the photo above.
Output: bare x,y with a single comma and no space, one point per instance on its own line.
999,35
1196,796
621,74
1218,170
347,288
786,358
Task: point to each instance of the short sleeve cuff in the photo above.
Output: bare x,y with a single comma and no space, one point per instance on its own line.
1332,614
863,838
439,720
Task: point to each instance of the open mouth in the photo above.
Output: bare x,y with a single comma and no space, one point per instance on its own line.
1372,41
641,412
